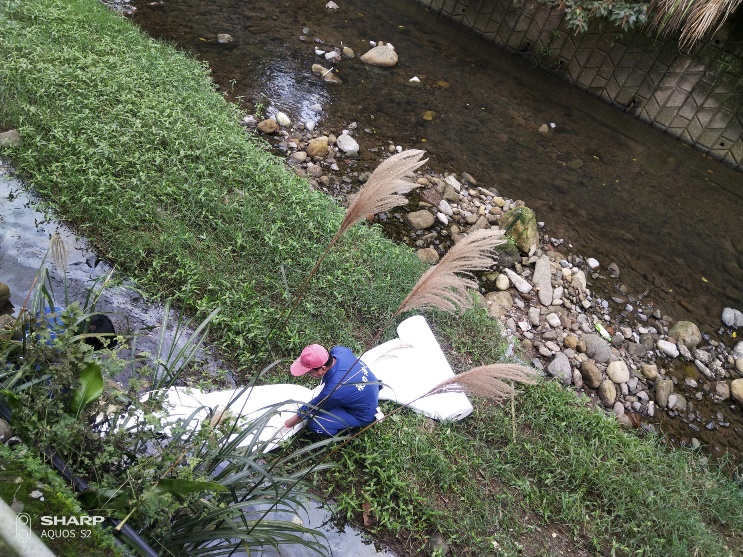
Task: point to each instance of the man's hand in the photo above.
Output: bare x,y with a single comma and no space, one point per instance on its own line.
291,422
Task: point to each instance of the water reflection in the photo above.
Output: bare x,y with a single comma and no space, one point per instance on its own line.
290,93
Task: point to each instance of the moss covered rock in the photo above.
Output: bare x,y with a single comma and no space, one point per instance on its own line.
520,224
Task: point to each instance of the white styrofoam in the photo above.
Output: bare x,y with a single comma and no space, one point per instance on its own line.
413,364
408,366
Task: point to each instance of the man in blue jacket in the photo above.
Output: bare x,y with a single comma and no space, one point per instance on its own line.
350,393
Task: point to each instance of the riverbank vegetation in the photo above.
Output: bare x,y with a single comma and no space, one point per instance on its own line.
127,140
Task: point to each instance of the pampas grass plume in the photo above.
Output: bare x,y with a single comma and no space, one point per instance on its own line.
447,285
489,381
384,189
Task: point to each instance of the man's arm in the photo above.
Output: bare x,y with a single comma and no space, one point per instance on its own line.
294,420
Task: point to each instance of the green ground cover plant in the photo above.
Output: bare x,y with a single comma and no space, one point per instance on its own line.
23,473
570,470
129,141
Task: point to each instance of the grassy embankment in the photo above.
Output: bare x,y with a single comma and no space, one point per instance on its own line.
128,141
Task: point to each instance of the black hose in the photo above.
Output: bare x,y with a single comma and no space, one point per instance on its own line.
79,485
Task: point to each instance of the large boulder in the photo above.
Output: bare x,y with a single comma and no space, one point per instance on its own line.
736,390
686,333
318,147
520,224
381,55
347,144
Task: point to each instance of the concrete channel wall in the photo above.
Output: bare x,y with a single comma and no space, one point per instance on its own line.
695,96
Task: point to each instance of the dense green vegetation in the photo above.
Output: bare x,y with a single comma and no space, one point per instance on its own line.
21,474
128,140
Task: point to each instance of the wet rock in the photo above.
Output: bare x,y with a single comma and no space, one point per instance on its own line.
560,369
520,224
382,55
326,73
4,294
331,6
506,255
348,52
224,38
614,270
428,255
722,390
318,147
597,348
736,390
420,220
283,120
732,318
686,333
268,126
668,348
677,402
618,372
10,138
663,390
591,374
607,392
348,145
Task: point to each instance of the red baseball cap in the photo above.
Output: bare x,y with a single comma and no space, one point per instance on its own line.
313,356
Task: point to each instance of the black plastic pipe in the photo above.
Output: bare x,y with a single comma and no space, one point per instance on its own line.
81,486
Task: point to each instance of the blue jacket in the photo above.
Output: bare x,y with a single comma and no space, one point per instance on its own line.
355,395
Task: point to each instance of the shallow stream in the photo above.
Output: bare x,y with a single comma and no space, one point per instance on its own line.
614,188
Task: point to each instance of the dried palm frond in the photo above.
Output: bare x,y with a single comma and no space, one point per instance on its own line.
58,250
693,18
489,381
384,188
446,286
